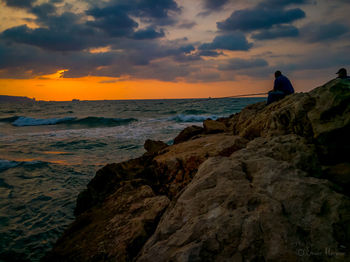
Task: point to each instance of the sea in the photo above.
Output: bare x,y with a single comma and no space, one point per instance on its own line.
49,151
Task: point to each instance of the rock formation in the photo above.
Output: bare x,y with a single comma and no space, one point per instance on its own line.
270,183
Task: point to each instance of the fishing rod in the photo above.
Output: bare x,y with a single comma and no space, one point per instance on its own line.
243,95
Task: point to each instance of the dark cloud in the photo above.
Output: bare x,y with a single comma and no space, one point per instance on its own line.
112,20
277,32
282,3
315,32
239,64
46,38
187,49
209,53
232,41
19,3
148,33
259,18
155,8
43,11
214,4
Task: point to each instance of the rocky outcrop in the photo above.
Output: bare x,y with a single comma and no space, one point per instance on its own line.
116,230
212,126
153,147
270,183
188,133
254,205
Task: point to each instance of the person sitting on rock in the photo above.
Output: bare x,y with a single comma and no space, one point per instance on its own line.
342,74
282,87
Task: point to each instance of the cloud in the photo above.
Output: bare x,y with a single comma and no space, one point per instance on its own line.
214,4
279,31
259,18
186,24
209,53
19,3
233,41
56,40
282,3
112,20
314,32
239,64
148,33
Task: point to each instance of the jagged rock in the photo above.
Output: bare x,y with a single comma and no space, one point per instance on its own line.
153,147
188,133
255,205
212,126
114,231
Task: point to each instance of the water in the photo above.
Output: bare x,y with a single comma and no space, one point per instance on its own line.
49,151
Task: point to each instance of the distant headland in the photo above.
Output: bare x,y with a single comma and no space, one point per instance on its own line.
5,98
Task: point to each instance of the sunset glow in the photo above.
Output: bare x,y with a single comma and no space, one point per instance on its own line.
61,50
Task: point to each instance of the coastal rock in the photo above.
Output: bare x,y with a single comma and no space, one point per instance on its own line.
255,205
110,178
181,161
212,126
114,231
272,185
187,133
153,147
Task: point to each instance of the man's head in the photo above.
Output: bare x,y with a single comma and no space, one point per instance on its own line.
342,72
278,73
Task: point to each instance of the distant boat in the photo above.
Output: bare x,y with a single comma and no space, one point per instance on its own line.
75,100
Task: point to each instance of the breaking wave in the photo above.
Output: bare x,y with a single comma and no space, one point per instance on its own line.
90,121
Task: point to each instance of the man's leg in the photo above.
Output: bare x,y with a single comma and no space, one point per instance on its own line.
274,96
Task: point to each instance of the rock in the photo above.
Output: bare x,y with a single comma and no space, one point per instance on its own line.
115,231
269,183
181,161
339,174
108,179
187,133
321,115
153,147
255,205
212,126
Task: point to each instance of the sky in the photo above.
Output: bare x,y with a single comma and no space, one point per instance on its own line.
155,49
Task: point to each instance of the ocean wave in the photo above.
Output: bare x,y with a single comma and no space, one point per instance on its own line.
90,121
9,119
7,164
28,121
103,121
194,112
191,118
